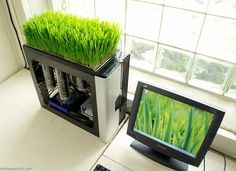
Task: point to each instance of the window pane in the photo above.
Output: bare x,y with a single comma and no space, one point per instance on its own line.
142,53
225,8
143,20
232,90
60,5
195,5
181,28
210,74
83,8
218,38
154,1
37,7
121,43
111,10
173,62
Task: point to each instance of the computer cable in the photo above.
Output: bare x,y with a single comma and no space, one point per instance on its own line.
223,155
224,161
204,164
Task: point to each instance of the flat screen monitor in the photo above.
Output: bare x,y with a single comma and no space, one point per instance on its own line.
170,128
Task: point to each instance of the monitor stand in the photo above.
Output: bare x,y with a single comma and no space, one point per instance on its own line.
159,157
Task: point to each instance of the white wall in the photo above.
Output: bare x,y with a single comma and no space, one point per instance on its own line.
11,59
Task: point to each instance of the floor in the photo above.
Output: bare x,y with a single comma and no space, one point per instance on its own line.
32,138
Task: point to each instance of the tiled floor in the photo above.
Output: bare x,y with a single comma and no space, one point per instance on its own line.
32,137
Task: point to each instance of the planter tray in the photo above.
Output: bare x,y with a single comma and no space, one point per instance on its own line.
103,70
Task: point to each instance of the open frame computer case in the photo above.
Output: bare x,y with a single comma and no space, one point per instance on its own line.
99,107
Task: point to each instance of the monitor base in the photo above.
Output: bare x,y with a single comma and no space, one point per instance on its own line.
159,157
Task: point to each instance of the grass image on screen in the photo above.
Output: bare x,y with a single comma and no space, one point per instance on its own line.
173,122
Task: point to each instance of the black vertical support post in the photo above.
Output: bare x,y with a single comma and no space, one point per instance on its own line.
124,86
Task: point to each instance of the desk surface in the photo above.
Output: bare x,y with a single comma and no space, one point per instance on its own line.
32,137
119,151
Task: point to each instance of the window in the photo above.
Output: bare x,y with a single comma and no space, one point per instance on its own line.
210,74
232,89
181,28
195,5
187,45
142,52
218,38
111,10
225,8
173,62
143,20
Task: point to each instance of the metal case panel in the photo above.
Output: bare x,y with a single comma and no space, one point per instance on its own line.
107,91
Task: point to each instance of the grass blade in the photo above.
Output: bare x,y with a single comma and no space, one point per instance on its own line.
82,40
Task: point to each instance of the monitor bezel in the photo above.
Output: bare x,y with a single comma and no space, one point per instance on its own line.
161,147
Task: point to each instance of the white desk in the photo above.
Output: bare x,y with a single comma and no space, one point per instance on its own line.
120,151
32,137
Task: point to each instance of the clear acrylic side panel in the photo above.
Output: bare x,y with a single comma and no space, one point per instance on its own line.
225,8
173,63
142,53
111,10
210,74
181,28
218,38
143,20
195,5
232,89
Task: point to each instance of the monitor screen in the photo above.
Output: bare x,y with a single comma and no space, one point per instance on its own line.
173,124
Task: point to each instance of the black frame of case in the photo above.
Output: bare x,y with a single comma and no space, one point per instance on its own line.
35,55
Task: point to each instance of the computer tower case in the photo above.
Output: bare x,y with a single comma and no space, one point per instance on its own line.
93,99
